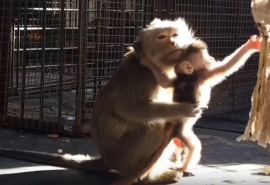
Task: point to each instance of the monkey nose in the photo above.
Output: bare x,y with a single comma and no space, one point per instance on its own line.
173,43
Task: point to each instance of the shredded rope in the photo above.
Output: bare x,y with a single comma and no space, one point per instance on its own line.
258,127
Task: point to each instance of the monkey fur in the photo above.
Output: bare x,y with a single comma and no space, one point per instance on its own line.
133,115
197,74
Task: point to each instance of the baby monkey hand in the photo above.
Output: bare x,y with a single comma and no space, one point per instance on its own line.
196,110
255,42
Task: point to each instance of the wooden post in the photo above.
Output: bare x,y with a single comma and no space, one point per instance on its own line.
5,27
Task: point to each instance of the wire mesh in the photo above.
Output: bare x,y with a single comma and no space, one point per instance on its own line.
42,60
224,25
118,24
57,54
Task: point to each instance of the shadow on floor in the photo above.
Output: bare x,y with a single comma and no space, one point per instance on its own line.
53,177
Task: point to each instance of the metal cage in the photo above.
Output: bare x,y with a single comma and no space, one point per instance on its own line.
57,54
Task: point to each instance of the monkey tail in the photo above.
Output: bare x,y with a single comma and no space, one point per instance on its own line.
83,162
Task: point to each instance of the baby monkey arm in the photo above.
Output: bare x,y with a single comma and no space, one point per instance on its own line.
233,62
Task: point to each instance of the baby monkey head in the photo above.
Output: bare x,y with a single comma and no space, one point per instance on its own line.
161,40
195,58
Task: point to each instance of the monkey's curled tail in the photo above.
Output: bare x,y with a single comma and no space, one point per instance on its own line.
83,162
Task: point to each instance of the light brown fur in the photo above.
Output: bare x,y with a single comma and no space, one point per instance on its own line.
197,74
132,112
140,108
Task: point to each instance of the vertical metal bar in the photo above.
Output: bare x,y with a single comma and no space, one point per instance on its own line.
61,61
5,26
123,28
79,67
84,21
12,53
42,63
18,47
99,15
18,41
155,8
97,39
137,17
144,13
174,9
159,8
239,23
24,59
165,15
169,8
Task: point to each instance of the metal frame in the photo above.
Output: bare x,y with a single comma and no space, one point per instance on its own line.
54,63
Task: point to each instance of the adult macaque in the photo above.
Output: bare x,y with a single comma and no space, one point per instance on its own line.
133,115
197,74
133,110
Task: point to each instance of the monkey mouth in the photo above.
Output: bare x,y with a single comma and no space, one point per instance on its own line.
173,52
178,49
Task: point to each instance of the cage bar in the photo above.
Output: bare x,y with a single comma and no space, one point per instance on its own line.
57,54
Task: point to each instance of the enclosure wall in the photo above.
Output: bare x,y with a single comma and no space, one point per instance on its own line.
57,54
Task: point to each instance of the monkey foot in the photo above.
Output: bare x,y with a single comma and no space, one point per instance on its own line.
185,174
167,177
188,174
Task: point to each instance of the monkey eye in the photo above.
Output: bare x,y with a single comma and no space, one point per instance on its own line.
175,35
161,36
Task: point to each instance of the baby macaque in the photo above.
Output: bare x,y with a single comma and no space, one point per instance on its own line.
197,73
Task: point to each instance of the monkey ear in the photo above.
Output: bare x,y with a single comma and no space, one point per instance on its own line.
186,67
138,48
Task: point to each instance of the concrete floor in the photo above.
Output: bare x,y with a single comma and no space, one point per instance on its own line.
224,161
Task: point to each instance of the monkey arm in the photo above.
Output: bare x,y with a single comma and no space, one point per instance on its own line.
154,111
229,65
163,79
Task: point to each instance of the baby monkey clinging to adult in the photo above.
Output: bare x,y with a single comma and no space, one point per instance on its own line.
197,73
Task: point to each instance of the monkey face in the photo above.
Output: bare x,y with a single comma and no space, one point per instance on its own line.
166,48
166,45
161,41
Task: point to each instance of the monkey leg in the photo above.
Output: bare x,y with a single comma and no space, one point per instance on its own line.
169,131
178,156
193,153
166,177
163,170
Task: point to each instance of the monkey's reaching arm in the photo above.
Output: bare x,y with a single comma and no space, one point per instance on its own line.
233,62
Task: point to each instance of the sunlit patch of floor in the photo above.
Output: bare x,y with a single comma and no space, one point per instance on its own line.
227,174
28,169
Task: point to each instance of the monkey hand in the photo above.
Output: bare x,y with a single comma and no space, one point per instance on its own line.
254,42
204,108
194,109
